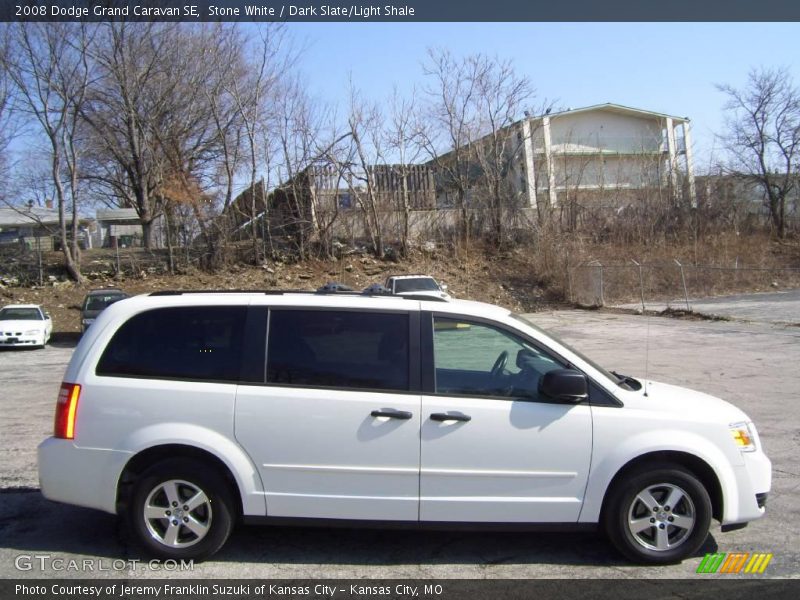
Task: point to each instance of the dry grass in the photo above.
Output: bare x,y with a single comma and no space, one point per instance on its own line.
529,276
719,264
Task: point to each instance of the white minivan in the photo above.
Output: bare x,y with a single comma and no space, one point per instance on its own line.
188,411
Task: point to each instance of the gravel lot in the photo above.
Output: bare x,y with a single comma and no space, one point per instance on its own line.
754,365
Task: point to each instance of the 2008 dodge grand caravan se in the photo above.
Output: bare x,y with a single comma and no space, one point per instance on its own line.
188,411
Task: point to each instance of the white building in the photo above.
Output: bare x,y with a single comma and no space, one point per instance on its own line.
606,148
123,227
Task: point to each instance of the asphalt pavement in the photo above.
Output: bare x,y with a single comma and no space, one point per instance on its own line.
781,307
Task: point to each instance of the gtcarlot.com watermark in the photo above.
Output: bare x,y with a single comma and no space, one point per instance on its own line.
50,563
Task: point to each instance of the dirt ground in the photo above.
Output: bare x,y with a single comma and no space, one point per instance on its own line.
523,279
504,278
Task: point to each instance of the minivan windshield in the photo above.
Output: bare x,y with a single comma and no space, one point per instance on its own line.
617,380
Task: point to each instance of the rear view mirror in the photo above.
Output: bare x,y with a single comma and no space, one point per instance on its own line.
564,385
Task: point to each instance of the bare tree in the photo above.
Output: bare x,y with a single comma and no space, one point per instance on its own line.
51,72
365,125
149,114
251,95
311,160
451,124
404,141
9,116
471,138
763,136
500,96
128,98
297,132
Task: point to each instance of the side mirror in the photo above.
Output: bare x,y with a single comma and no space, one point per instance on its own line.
564,385
443,288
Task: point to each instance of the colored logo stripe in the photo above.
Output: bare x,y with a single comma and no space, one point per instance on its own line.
758,563
734,562
721,562
711,562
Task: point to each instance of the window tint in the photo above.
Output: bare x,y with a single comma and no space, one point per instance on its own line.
479,360
420,284
99,302
338,349
194,343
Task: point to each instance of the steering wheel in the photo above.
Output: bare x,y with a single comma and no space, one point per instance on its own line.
500,364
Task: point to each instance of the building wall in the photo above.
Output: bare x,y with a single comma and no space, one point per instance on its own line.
602,149
607,131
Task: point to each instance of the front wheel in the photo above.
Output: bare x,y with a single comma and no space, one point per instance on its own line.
658,515
180,509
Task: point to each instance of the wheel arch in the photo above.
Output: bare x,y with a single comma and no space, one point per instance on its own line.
692,463
148,457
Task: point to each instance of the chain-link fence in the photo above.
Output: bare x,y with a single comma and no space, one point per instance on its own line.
673,283
21,266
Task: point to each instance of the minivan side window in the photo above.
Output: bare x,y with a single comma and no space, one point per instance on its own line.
475,359
338,349
193,343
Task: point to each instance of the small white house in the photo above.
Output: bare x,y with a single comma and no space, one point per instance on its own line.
123,227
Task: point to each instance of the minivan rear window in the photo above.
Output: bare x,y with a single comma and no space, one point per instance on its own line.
194,343
338,349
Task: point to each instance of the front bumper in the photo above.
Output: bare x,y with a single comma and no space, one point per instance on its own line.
14,340
753,483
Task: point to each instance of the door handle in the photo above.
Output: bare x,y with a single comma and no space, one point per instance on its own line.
391,413
450,417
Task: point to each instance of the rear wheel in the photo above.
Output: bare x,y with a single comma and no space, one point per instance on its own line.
180,509
658,515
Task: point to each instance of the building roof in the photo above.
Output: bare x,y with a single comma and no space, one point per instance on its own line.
24,216
118,214
616,108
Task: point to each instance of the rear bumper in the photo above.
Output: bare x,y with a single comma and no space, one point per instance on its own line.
81,476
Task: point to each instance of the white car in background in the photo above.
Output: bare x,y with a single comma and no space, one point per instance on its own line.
24,325
416,285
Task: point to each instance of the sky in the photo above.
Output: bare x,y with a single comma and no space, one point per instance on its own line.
670,68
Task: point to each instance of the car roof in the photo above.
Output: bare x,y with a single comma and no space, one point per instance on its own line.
411,277
301,299
104,291
22,306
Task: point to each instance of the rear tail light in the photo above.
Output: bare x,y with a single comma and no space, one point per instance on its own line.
66,408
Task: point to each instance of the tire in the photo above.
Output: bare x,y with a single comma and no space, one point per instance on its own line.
670,530
171,530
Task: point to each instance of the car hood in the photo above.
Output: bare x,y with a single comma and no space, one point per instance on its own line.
687,403
20,325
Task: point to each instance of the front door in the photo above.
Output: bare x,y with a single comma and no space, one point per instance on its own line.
492,449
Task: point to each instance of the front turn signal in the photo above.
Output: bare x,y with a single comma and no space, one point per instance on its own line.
743,437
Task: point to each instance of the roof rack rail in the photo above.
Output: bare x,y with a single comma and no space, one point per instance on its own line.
354,293
267,292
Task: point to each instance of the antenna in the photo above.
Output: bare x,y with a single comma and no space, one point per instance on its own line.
647,320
